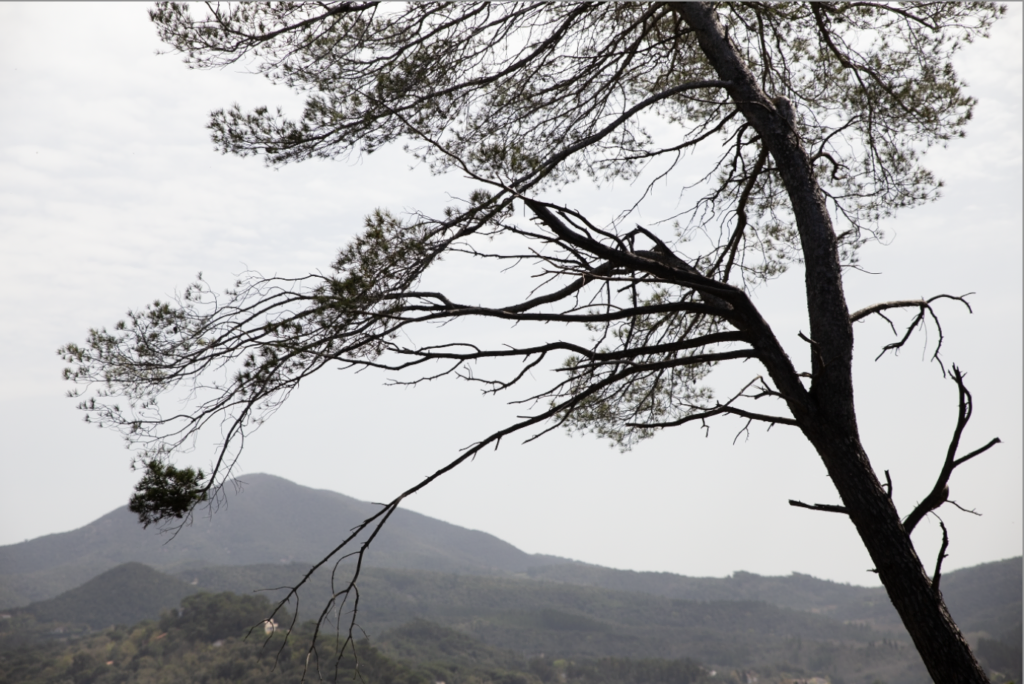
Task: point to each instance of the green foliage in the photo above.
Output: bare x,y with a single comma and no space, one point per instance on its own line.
209,617
612,670
166,491
480,630
871,87
495,91
819,114
625,412
205,641
483,625
1000,657
425,642
493,623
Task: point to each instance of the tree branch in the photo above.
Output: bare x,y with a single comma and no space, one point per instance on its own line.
661,267
924,306
718,410
376,522
942,555
819,507
741,218
940,492
907,303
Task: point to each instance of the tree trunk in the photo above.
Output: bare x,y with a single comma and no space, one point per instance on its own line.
826,413
943,648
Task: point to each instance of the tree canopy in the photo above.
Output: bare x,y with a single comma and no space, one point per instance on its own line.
819,114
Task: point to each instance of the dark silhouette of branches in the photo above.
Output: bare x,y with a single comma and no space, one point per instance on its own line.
940,491
817,112
924,306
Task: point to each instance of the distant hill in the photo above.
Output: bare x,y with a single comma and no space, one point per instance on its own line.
981,599
268,533
205,642
985,598
269,520
531,618
123,595
800,592
576,621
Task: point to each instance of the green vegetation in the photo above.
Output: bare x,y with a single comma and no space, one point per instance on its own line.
578,622
166,491
217,638
450,626
266,532
208,641
141,592
554,619
211,617
211,640
1003,659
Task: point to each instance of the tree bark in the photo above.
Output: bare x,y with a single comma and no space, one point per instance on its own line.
826,413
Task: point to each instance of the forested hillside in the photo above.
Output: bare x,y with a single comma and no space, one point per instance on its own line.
220,637
475,621
217,638
471,600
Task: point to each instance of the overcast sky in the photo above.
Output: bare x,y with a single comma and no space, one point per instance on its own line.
111,195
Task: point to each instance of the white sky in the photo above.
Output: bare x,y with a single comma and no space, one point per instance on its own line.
111,196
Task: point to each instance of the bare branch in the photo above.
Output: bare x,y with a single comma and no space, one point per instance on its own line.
992,442
376,522
729,254
522,183
924,306
719,410
819,507
942,555
940,492
661,267
907,303
965,510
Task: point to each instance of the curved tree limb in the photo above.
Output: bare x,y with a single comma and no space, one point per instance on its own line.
940,491
924,306
520,96
937,575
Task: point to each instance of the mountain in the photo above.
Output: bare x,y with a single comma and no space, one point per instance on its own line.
263,519
476,620
575,621
124,595
797,591
267,520
470,618
206,641
985,598
268,531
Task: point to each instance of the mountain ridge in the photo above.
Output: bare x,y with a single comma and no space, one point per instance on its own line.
533,617
273,521
113,571
512,613
278,522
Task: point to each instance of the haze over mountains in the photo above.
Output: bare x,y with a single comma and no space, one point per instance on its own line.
269,520
112,571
